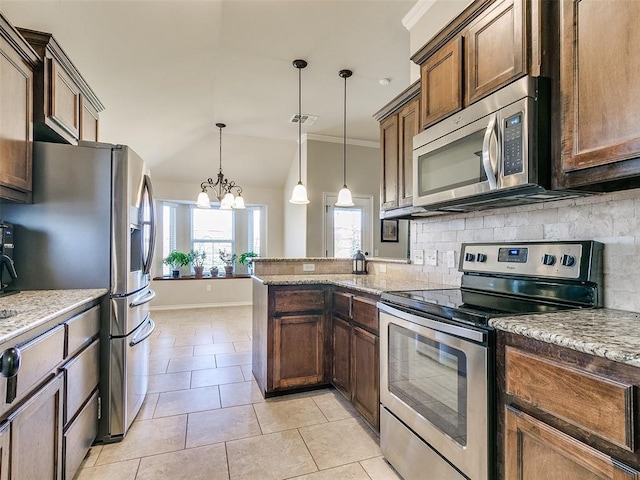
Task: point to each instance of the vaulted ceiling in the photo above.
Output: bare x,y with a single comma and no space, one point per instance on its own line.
167,71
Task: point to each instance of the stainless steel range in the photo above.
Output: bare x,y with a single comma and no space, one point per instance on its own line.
437,351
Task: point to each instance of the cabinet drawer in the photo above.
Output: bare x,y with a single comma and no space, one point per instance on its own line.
365,312
79,436
342,304
298,300
81,329
39,358
81,378
595,404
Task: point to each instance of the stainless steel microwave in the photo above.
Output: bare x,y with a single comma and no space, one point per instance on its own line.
496,152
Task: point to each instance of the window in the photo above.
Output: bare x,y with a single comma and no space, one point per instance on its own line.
168,233
212,231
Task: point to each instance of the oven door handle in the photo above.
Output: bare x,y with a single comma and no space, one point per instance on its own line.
489,155
438,326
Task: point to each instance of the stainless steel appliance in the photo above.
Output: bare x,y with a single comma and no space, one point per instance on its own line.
496,152
7,268
92,225
437,351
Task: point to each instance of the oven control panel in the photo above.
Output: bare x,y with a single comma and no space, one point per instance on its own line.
554,259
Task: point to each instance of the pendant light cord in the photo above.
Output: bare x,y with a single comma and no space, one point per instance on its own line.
220,169
344,147
299,125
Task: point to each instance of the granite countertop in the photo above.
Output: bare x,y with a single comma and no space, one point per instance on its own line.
373,284
604,332
30,309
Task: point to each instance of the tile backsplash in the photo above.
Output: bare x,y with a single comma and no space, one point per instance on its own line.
613,219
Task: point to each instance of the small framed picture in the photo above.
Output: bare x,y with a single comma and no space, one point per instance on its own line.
389,231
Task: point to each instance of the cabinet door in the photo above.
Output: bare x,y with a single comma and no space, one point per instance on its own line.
408,127
36,435
65,100
441,83
16,114
298,350
341,370
390,157
600,92
365,375
4,451
88,121
534,450
495,49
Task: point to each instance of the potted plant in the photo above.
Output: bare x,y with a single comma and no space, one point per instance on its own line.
214,271
246,258
196,258
176,260
228,259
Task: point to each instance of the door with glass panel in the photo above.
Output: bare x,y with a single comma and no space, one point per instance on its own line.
348,229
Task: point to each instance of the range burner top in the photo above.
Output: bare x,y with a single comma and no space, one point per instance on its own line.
512,279
467,305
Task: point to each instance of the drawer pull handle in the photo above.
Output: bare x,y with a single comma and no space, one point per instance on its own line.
10,362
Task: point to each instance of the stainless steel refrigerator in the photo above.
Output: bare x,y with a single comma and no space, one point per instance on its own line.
92,225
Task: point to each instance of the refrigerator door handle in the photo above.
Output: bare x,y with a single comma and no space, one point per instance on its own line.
142,299
152,219
139,337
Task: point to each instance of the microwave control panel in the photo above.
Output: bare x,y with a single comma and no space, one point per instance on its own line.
512,145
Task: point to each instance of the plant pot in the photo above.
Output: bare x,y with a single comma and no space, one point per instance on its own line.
198,271
214,271
175,273
228,270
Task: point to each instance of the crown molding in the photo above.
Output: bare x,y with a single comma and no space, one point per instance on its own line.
416,13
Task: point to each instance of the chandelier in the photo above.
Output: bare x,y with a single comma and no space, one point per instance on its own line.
222,189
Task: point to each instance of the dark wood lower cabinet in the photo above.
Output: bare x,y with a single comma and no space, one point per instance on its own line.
5,442
341,370
298,351
36,435
535,450
365,371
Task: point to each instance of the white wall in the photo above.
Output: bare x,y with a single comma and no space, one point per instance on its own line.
194,294
613,219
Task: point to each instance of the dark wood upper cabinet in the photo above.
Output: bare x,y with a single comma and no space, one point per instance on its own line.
441,83
17,64
408,127
65,107
599,93
496,49
390,159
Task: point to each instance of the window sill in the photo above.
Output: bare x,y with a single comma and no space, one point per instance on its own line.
204,277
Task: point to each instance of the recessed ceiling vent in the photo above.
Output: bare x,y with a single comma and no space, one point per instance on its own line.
304,119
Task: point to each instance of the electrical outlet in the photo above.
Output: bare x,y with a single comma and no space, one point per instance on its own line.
208,287
418,257
383,268
308,267
431,258
451,259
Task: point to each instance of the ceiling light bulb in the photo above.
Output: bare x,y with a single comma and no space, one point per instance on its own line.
299,195
203,200
344,198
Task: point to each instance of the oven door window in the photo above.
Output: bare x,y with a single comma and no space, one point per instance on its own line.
431,378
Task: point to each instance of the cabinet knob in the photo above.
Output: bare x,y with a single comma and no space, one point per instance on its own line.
10,362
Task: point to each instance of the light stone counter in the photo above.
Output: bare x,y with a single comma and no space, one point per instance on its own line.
374,284
607,333
31,309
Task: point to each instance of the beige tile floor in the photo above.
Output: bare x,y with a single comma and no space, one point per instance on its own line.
204,417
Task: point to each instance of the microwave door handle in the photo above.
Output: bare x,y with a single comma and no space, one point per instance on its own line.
487,161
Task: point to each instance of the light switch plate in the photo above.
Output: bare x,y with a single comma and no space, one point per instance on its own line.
308,267
431,258
451,259
418,257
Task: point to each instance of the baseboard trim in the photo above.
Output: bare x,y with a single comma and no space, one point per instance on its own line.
190,306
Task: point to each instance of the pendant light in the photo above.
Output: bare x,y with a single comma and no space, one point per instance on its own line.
344,196
299,194
222,188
